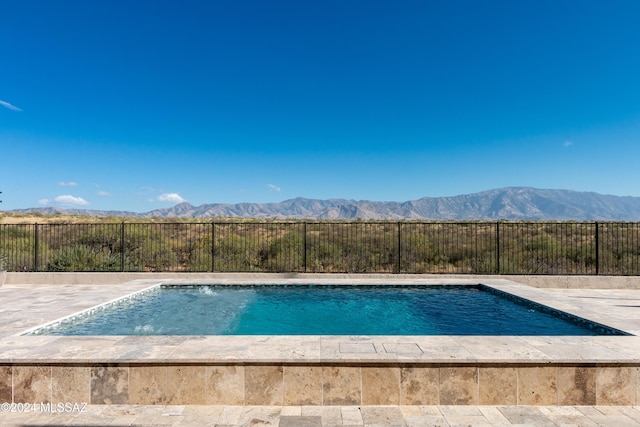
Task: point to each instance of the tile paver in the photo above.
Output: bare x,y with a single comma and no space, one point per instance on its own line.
28,306
125,415
25,306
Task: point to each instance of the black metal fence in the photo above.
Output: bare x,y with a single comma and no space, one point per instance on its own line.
473,247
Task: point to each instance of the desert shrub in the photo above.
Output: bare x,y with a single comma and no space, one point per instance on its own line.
320,256
84,258
356,259
237,253
415,252
101,236
198,254
17,244
148,249
285,253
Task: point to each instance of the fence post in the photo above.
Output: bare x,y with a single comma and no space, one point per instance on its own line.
35,248
122,245
399,245
213,251
305,246
498,246
597,250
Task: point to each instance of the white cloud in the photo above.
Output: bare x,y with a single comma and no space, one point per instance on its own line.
272,187
68,184
103,194
71,200
170,197
9,106
568,143
43,202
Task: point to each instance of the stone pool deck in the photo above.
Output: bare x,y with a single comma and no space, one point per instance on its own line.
322,379
334,416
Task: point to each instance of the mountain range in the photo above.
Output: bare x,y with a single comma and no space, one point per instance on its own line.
512,203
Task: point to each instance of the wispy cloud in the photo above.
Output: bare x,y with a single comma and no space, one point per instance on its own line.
567,143
103,194
9,106
170,197
65,200
68,184
68,200
272,187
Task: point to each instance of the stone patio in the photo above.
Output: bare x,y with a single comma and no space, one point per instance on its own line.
315,380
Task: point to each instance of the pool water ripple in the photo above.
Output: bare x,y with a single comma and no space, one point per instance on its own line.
324,310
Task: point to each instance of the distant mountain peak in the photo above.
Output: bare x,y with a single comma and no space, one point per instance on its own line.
523,203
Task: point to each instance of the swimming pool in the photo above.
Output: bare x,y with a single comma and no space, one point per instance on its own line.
318,369
325,310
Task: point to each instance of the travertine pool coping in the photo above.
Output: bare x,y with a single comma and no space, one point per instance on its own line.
318,370
26,306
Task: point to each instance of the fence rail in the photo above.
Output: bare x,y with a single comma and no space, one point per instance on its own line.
473,247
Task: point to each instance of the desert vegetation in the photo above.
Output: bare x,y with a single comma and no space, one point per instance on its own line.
56,243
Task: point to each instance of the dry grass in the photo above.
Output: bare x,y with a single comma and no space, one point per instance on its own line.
28,218
33,218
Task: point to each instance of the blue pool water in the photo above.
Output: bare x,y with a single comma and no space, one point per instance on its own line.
326,310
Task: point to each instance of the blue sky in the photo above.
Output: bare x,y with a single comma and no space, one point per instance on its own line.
138,105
